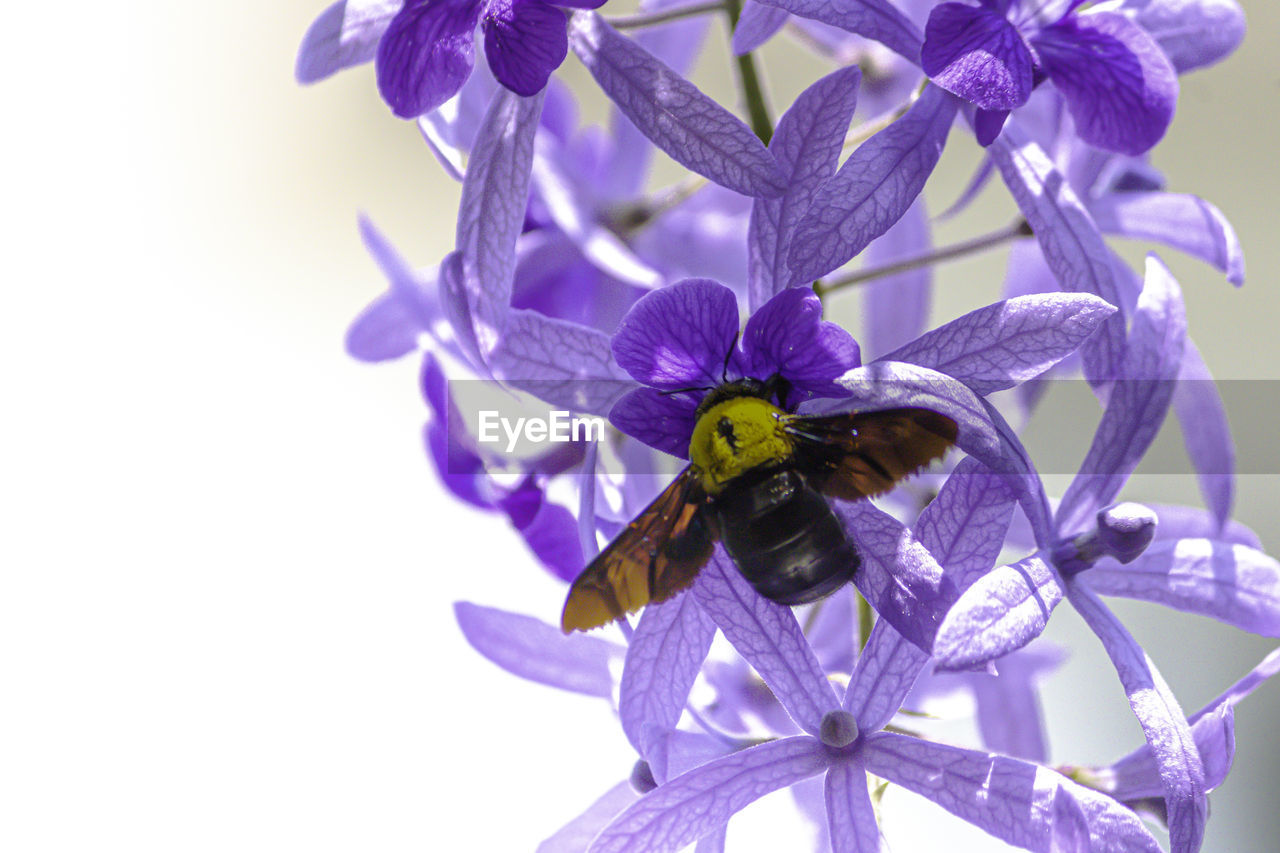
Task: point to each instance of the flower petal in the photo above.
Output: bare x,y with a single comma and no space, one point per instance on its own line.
807,145
680,336
698,802
788,336
770,639
883,676
975,53
426,54
696,131
873,189
345,34
964,526
560,362
1161,718
662,421
491,210
1011,799
536,651
1137,776
663,659
1192,33
1009,717
1119,85
1232,583
1009,342
1206,433
896,307
524,41
850,815
1186,522
756,25
1138,403
1185,222
1001,612
575,835
1068,237
878,20
551,532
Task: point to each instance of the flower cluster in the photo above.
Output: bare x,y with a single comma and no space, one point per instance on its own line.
572,283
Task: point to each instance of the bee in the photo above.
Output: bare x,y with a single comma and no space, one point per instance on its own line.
758,482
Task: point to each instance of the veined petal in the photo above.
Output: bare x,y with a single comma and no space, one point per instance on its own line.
662,421
1161,718
345,34
524,41
1188,522
426,54
769,638
1009,798
696,131
536,651
663,659
1137,775
807,145
1002,611
1010,720
882,677
976,54
575,835
788,336
1192,33
1119,85
896,307
873,189
756,25
1206,433
878,20
964,526
1184,222
850,815
696,803
1138,403
680,336
1009,342
1232,583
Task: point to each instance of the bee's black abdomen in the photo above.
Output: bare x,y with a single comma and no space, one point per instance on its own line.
784,537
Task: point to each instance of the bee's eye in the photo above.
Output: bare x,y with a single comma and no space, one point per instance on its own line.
725,428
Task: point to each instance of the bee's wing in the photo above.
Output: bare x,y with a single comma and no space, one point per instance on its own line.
659,554
859,454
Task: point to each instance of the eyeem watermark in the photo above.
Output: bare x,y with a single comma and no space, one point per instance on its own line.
557,428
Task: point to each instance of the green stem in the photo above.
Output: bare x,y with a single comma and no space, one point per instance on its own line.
749,79
628,22
946,253
866,621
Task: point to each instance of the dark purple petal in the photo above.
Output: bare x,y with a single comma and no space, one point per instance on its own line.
679,336
575,835
663,659
491,210
987,125
896,307
878,20
1001,345
1186,522
770,639
788,336
344,35
1192,33
662,421
562,363
1185,222
524,41
696,131
1011,799
460,469
1138,403
883,676
850,815
756,25
974,52
1118,84
1235,584
1069,239
426,54
1161,718
1206,433
539,652
873,189
552,535
698,802
1001,612
964,526
898,575
807,145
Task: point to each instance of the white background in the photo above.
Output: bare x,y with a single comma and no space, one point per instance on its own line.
225,607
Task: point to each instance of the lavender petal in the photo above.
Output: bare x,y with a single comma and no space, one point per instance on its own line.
679,336
1185,222
1192,33
756,25
1206,433
850,815
344,35
878,20
964,526
896,307
882,677
575,835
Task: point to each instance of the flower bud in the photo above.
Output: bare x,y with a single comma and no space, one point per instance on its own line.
642,781
1125,530
838,729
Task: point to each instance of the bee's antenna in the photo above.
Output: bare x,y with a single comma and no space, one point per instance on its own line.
724,373
685,390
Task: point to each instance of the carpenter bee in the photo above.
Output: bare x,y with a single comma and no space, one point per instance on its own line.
758,482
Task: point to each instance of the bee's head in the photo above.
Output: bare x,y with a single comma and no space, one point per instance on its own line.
738,433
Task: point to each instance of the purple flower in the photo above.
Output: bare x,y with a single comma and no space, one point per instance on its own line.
1118,83
428,50
682,341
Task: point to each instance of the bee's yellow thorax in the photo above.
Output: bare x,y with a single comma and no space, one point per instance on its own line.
735,436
